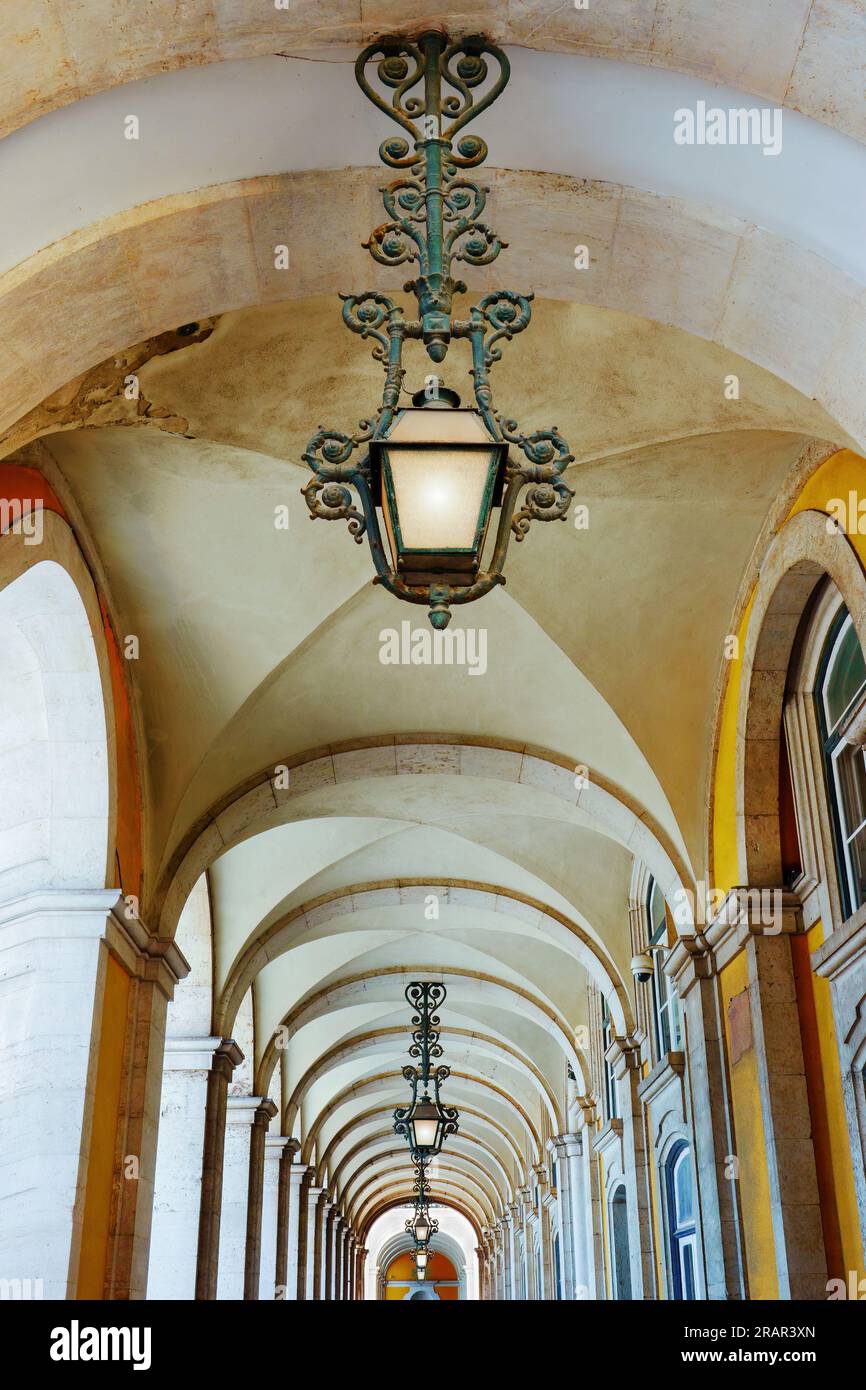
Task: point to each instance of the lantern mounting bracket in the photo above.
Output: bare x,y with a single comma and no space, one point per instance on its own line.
435,214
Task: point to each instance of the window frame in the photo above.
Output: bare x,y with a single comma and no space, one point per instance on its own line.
682,1238
665,1011
832,748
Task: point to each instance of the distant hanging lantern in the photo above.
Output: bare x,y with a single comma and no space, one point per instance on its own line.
425,1122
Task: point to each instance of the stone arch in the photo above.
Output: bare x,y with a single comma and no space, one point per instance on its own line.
454,1180
132,244
567,931
488,1166
799,556
392,1202
366,1116
258,804
378,983
370,1085
387,1133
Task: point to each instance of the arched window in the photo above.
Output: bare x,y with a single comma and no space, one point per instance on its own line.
620,1253
666,1007
841,679
557,1273
681,1221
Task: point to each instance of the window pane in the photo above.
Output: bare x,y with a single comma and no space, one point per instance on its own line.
846,675
687,1267
684,1191
851,772
656,914
857,855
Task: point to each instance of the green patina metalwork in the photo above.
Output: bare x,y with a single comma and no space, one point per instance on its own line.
435,212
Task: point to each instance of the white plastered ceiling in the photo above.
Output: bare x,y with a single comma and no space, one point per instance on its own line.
258,645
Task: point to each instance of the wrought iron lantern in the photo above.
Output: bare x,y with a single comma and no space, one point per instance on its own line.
421,1258
434,476
425,1122
421,1226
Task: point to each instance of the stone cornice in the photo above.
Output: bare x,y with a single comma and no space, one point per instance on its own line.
610,1137
843,949
670,1068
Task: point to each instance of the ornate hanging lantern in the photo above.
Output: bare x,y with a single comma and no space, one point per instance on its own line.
425,1121
435,475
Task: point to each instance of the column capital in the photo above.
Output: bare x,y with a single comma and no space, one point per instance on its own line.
748,912
227,1055
189,1054
265,1112
275,1145
243,1110
623,1056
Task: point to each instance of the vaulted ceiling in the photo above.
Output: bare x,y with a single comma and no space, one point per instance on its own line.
432,823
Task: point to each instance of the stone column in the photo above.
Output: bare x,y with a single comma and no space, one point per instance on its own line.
156,966
543,1216
241,1112
316,1267
594,1201
308,1201
286,1251
275,1145
329,1216
226,1057
56,950
177,1197
262,1116
581,1216
507,1257
692,968
361,1253
339,1244
623,1056
567,1150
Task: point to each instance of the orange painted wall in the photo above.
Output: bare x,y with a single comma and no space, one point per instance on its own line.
401,1272
106,1109
28,484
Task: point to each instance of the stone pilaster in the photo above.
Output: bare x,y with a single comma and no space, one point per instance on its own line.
226,1057
623,1056
263,1180
775,1034
177,1196
691,966
244,1116
286,1238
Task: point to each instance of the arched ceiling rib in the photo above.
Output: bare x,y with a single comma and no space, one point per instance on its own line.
232,121
803,54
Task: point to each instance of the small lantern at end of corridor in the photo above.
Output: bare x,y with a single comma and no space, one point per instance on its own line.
422,1228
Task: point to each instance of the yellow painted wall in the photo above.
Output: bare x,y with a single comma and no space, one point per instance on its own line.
842,473
106,1109
750,1149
